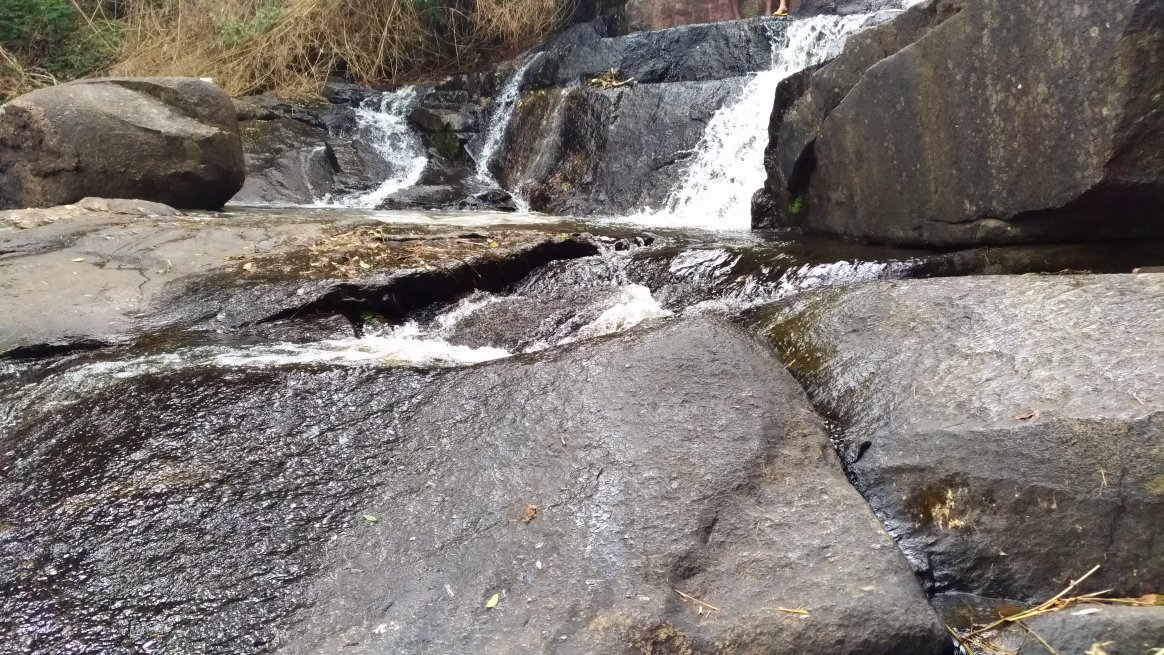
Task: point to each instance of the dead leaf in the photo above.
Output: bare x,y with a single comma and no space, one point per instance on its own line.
1150,599
249,267
531,513
798,610
1098,648
1026,417
78,259
494,244
492,602
371,518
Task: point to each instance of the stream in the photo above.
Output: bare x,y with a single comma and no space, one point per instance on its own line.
281,427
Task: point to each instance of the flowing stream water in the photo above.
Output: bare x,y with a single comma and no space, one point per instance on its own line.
382,123
697,257
499,120
716,190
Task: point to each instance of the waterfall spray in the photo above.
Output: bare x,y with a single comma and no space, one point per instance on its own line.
716,189
382,122
503,108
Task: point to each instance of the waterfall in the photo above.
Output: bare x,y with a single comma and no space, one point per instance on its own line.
499,119
382,124
716,189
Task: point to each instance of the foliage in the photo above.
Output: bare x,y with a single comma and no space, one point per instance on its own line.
43,40
797,206
236,32
247,46
292,46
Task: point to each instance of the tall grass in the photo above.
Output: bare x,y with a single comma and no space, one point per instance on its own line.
247,46
16,78
291,46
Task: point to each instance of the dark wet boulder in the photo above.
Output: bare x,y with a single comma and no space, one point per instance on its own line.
805,99
584,150
660,14
682,54
168,140
288,162
1001,123
1008,430
1117,630
98,273
370,509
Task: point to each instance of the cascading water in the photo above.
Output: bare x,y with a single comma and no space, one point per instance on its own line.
716,190
382,124
499,119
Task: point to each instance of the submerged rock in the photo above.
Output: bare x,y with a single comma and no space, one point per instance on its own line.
168,140
1000,123
1008,430
385,509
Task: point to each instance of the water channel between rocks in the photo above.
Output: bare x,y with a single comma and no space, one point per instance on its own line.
209,472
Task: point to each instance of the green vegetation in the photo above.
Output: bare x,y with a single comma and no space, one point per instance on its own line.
45,40
235,32
797,206
290,46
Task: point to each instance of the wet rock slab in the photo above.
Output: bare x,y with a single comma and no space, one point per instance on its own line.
1006,429
674,493
86,275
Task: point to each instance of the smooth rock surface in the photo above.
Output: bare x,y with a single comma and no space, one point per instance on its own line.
805,99
1007,122
386,506
168,140
1008,430
84,278
288,162
1118,631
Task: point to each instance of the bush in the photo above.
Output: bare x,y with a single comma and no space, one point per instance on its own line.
292,46
45,40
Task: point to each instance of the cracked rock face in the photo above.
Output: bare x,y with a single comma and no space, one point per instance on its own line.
656,501
1008,430
84,275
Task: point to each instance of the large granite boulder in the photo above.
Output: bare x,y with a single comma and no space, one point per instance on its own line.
167,140
1008,430
655,501
1001,122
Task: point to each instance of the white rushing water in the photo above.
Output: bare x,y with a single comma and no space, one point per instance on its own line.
716,189
499,119
382,123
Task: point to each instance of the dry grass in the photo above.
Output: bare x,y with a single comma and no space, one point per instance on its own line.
17,79
291,46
